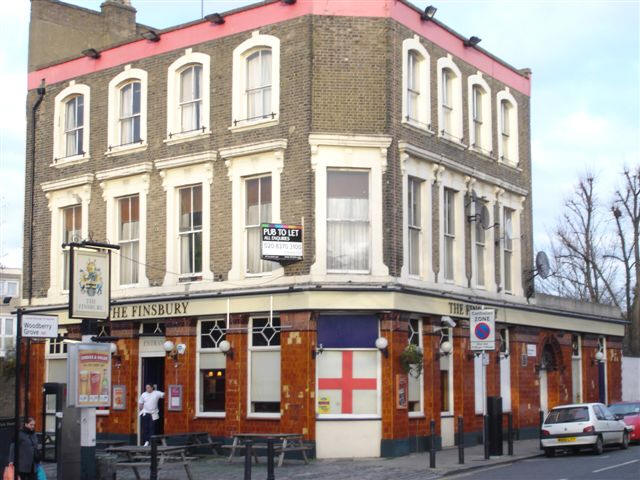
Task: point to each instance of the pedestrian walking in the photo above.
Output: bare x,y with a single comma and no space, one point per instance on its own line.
29,455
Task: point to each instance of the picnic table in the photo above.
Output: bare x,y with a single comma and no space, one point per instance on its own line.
139,456
284,442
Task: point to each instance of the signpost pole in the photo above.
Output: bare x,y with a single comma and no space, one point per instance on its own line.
88,419
16,428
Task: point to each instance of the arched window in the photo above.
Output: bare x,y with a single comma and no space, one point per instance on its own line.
129,113
416,108
191,98
480,134
74,125
507,128
449,100
258,85
127,122
71,125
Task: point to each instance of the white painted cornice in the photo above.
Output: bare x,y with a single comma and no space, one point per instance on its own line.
278,145
184,160
67,183
127,171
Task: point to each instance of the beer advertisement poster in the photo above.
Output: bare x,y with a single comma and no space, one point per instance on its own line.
89,375
119,397
90,280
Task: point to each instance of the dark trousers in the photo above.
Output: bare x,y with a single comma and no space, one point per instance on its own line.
148,427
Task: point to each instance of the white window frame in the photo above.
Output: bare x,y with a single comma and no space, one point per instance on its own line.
577,359
199,350
125,182
184,171
420,412
449,359
415,185
456,133
423,118
507,248
174,133
4,288
4,336
513,158
453,181
257,41
485,192
60,158
191,232
485,146
349,152
128,75
250,350
61,194
265,158
514,203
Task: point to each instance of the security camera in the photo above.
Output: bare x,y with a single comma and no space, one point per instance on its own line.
448,321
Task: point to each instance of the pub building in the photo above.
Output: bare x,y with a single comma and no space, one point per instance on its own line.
397,157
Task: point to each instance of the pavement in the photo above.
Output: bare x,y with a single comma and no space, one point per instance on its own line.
409,467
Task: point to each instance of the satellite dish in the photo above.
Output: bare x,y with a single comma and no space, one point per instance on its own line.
542,264
483,217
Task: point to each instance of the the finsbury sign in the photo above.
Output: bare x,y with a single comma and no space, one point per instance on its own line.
149,310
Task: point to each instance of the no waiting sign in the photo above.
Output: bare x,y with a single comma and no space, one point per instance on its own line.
482,329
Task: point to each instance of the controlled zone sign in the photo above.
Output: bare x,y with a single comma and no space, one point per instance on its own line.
281,242
482,329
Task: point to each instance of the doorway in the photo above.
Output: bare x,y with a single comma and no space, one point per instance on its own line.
152,372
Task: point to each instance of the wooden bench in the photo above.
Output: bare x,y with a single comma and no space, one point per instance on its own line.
284,443
193,440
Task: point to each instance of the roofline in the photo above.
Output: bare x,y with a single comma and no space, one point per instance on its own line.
401,11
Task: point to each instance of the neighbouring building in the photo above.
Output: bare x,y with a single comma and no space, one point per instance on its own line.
10,291
401,148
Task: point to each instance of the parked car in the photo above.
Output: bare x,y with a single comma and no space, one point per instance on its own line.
582,425
630,412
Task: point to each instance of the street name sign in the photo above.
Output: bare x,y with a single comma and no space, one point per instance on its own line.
39,326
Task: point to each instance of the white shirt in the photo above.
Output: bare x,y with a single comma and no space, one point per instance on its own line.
149,402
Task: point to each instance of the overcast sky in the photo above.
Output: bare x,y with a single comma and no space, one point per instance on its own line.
585,101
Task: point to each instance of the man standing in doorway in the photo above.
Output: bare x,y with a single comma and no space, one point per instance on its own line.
148,404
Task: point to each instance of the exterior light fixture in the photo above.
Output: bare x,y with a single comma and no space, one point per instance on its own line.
288,2
472,42
428,13
225,348
91,53
151,35
113,347
215,18
317,351
599,357
445,348
174,350
382,344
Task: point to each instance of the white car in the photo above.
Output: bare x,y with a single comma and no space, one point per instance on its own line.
581,425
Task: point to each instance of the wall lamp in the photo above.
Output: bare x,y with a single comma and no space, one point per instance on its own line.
91,53
117,359
599,358
288,2
215,18
174,350
317,350
382,344
445,349
472,42
225,348
150,35
428,13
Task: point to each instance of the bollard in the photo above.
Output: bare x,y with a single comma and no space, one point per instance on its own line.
153,469
247,459
432,445
486,436
270,455
510,433
460,440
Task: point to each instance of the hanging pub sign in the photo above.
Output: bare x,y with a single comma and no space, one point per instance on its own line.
89,375
482,325
281,242
90,284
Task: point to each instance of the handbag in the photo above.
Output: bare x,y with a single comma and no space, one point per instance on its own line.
40,475
8,472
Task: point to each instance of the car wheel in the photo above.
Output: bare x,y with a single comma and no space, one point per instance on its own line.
550,452
625,441
598,447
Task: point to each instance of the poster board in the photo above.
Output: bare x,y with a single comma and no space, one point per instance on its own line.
402,391
89,375
175,398
119,397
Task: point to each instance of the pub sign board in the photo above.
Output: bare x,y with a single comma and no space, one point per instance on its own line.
482,329
90,284
281,242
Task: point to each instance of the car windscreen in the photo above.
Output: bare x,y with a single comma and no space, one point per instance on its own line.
625,408
567,415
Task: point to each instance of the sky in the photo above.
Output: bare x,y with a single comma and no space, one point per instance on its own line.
585,99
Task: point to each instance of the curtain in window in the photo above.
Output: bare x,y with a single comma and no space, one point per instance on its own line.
71,232
74,122
259,84
413,85
130,113
190,228
479,252
265,376
414,226
129,239
258,210
508,248
190,98
348,226
449,233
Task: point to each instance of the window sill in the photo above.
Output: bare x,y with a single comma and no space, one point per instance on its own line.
454,142
510,165
417,415
69,161
421,127
349,417
264,416
251,125
349,272
126,149
258,275
102,413
210,415
177,138
482,153
446,415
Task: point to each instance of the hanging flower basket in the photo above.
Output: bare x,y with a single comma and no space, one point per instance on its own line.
411,360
